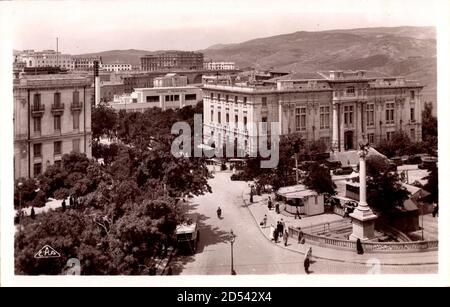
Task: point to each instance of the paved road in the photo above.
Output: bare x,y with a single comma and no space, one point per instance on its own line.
253,253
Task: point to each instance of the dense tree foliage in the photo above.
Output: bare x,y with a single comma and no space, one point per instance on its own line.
429,127
127,208
318,178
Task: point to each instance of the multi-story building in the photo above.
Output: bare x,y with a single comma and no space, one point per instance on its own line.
210,65
170,80
115,67
86,63
52,117
161,97
170,60
338,107
46,58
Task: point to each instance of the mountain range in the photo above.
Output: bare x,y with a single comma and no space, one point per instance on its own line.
405,51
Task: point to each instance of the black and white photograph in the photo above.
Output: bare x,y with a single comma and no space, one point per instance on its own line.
235,139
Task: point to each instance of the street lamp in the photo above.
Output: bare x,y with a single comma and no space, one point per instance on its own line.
232,239
19,185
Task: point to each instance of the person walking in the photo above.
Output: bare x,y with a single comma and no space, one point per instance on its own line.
297,214
283,226
285,237
306,264
300,235
71,201
265,220
309,254
269,203
277,208
359,247
275,235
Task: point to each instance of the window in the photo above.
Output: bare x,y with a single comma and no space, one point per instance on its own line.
413,134
37,124
245,122
348,115
412,114
413,95
245,101
176,97
76,120
227,118
264,101
76,145
226,98
212,116
236,119
219,119
371,138
370,114
350,91
57,122
235,99
151,99
37,100
37,169
389,135
218,97
324,117
300,119
212,96
57,147
57,99
264,119
76,97
190,97
37,150
389,113
315,199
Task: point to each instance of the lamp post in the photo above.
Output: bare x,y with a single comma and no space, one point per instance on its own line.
19,185
232,239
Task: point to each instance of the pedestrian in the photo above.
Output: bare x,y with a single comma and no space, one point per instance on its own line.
265,220
300,235
359,247
63,205
306,264
283,226
275,235
280,232
297,214
271,232
435,209
309,254
71,201
277,208
269,203
251,195
285,237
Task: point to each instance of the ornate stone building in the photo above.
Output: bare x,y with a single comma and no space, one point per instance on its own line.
338,107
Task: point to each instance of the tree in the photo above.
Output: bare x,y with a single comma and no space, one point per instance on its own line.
318,178
429,127
104,122
432,184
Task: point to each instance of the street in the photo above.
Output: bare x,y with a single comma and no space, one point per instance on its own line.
253,253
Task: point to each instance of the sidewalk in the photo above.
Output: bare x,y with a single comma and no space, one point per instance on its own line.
259,208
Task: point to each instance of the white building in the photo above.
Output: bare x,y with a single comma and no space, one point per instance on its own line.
161,97
85,63
46,58
116,66
298,197
219,65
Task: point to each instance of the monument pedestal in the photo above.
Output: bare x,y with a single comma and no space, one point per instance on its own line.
363,223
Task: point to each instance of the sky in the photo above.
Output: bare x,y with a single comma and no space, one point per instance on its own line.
92,26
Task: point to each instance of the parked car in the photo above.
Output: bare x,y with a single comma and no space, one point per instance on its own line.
346,170
414,159
332,165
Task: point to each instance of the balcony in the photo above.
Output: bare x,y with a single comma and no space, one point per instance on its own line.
37,110
57,108
75,106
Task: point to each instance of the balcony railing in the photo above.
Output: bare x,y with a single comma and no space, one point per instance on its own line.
75,106
37,110
58,108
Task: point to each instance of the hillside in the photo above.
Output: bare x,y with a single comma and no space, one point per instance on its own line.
408,51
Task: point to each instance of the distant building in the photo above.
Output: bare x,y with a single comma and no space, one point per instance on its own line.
52,117
161,97
109,89
172,60
170,80
115,67
45,58
337,107
219,79
210,65
85,63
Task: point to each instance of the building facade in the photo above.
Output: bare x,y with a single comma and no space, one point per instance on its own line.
183,60
52,117
161,97
46,58
115,67
85,63
170,80
210,65
339,108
